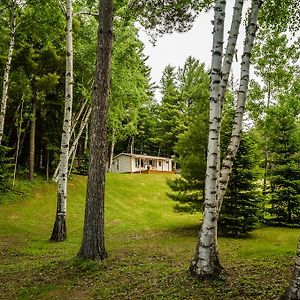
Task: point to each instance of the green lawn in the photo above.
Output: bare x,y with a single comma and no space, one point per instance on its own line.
149,248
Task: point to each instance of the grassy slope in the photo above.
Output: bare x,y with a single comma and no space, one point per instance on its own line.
149,249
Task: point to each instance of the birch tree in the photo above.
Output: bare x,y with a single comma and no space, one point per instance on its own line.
7,67
92,246
59,232
206,262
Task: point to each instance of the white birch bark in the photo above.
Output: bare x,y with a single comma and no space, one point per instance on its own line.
72,159
230,48
59,230
73,147
7,70
206,262
77,117
233,146
293,291
227,63
83,124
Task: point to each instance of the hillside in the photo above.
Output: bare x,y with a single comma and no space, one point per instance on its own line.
149,248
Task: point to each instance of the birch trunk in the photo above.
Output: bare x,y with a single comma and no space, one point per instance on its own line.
293,291
93,246
206,262
59,232
7,71
32,139
77,117
76,140
73,158
227,63
233,146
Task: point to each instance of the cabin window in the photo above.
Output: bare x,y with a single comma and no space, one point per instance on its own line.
137,162
159,163
118,165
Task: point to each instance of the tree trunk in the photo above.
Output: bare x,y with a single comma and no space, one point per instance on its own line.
77,117
86,139
132,145
226,65
73,158
233,146
92,246
32,139
293,291
59,232
18,142
206,262
112,149
7,71
84,123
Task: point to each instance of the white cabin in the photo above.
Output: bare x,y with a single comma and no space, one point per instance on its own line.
137,163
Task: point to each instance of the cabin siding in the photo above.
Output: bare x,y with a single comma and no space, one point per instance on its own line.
134,163
121,164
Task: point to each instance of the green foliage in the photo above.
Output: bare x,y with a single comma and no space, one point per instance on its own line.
240,210
280,15
84,165
284,171
160,17
131,91
5,170
193,93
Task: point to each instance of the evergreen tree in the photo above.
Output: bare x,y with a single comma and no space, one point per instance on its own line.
284,170
239,215
170,119
191,145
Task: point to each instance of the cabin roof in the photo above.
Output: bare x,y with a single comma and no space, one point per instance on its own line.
143,156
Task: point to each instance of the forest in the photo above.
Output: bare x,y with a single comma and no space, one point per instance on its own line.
76,90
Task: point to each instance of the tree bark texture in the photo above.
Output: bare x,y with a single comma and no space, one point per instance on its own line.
59,232
206,262
227,63
293,291
93,246
233,146
7,70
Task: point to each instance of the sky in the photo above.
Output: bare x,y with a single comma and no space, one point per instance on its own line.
175,48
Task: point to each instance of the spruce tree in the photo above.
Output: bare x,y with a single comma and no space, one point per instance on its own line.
239,214
284,171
